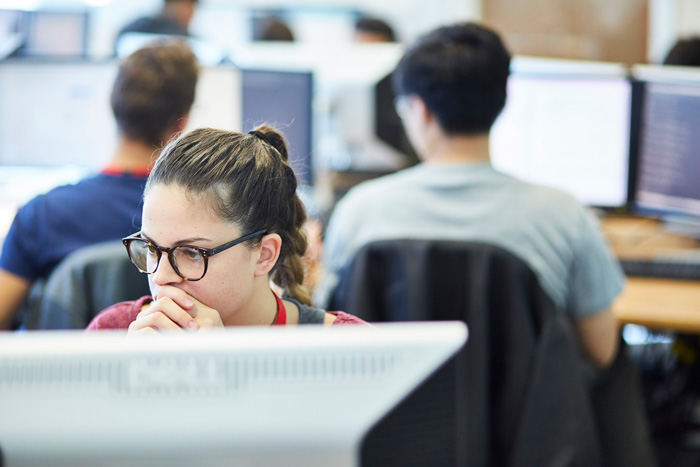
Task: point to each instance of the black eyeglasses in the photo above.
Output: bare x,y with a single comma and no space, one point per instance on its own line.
189,262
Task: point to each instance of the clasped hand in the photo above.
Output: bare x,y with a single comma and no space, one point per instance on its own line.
174,310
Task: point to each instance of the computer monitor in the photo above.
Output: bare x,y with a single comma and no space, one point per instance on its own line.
345,81
55,113
303,396
668,167
566,124
56,33
284,100
208,53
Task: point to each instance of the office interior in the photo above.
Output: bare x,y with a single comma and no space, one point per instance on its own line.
590,110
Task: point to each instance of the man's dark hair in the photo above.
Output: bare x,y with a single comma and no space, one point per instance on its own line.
273,29
685,52
154,88
461,73
375,26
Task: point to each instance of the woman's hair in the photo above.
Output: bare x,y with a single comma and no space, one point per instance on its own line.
249,182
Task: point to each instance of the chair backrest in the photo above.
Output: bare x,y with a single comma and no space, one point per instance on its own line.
526,401
84,283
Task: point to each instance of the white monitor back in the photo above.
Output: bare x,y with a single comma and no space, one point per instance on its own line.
302,396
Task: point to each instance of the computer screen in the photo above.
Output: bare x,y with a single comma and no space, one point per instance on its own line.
567,125
56,33
284,100
668,167
55,113
345,81
302,396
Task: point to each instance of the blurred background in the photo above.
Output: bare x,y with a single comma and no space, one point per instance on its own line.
327,89
625,30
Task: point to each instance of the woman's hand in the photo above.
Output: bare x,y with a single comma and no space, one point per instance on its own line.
174,310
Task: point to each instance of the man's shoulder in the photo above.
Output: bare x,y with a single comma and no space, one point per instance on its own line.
548,197
93,185
403,179
90,196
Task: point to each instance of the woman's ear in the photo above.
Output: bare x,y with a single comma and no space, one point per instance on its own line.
270,247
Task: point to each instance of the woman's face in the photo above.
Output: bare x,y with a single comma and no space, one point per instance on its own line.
171,218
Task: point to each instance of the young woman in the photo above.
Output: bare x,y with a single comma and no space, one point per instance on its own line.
221,218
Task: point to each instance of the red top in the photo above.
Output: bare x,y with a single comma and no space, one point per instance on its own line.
281,316
121,315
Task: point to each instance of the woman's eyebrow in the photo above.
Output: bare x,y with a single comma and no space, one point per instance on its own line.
184,241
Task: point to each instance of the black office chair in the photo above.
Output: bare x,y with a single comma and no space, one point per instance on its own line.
84,283
527,400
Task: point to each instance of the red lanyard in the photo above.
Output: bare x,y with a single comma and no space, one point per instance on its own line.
281,318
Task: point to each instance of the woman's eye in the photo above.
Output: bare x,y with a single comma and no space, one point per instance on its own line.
190,254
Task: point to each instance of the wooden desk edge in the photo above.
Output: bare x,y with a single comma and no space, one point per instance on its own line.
660,304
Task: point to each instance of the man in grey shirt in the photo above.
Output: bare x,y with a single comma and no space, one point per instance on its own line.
452,86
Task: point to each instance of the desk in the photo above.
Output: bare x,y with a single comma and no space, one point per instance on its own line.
655,303
660,304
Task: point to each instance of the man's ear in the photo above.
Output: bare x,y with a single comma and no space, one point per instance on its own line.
177,128
270,247
422,109
181,123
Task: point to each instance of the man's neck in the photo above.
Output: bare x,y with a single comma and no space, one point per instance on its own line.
460,149
133,155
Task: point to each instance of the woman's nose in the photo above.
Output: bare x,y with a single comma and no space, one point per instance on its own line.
165,273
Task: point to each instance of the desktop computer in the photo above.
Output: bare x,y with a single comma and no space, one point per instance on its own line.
50,33
567,124
350,82
667,170
55,113
668,166
284,100
301,396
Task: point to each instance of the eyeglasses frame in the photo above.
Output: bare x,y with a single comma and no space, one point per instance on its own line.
206,252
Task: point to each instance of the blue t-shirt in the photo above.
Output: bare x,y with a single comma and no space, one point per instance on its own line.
49,227
548,229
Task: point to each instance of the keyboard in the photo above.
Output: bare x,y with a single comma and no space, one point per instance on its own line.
681,268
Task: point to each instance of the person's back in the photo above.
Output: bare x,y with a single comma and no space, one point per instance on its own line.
151,98
174,20
452,87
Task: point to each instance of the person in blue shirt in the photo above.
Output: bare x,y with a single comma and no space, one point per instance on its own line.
151,99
